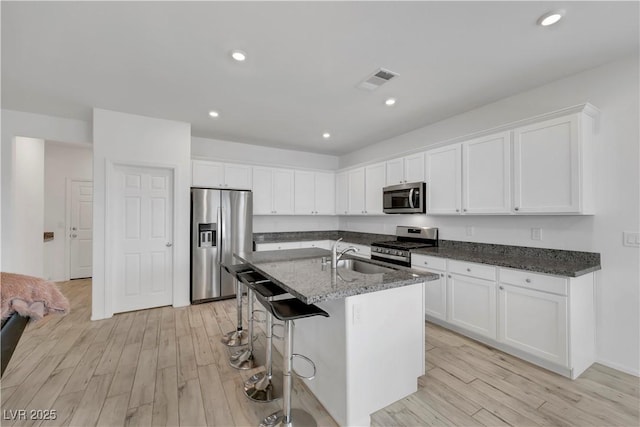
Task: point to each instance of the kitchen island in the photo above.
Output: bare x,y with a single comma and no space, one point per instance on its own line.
370,352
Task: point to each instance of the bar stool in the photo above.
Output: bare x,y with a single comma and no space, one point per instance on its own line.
259,387
239,336
243,359
289,310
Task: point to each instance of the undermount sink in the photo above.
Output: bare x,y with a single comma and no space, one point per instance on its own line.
363,267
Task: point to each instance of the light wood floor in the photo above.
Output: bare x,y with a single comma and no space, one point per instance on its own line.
470,384
166,366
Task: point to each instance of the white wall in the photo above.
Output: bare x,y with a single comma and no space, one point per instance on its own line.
131,139
612,88
15,124
278,223
28,202
61,162
255,154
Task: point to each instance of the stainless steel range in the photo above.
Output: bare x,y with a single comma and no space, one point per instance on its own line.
408,238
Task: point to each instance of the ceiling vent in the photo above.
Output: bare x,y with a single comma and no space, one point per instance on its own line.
377,79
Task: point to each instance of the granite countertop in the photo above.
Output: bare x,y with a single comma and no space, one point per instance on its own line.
302,274
540,260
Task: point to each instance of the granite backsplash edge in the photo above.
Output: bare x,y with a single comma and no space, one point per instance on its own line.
592,258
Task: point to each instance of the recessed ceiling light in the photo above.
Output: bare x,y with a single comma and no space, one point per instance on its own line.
390,102
214,114
550,18
326,135
238,55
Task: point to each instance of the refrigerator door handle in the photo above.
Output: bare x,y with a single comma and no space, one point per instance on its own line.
219,236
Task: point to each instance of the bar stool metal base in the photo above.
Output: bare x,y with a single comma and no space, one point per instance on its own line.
260,388
242,359
235,338
299,418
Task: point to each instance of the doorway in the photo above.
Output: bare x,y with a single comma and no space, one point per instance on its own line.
80,226
141,217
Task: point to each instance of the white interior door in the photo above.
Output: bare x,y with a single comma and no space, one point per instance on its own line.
142,221
81,230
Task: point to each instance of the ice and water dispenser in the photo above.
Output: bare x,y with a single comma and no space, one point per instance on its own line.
207,235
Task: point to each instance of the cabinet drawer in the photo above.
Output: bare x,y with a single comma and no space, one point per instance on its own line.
540,282
425,261
472,269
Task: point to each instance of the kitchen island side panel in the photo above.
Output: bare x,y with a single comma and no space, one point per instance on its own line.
369,353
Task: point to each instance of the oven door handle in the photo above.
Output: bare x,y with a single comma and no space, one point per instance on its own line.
411,198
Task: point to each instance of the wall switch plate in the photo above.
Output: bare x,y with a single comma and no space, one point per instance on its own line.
631,239
536,233
357,314
470,230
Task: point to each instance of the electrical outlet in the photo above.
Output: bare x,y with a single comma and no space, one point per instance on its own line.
470,230
631,239
536,233
357,314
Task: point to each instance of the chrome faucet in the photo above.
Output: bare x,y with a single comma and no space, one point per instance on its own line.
335,257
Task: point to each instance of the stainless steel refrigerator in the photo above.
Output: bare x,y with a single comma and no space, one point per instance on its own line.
221,225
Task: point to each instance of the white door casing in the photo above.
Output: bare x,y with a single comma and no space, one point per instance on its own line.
80,229
142,218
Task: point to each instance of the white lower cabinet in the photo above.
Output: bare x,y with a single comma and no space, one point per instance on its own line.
472,304
435,291
547,320
533,321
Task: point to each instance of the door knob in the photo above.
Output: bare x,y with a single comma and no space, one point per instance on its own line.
169,244
74,228
74,236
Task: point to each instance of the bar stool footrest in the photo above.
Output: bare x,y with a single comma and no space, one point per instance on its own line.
306,359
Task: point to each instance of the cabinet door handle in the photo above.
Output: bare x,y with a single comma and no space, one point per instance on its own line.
468,269
449,276
441,274
464,210
527,280
426,263
516,208
457,210
501,288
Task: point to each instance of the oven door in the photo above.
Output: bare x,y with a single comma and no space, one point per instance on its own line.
404,198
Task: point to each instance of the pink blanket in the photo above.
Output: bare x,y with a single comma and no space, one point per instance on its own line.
30,296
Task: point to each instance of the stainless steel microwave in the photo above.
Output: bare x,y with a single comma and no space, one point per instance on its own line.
404,198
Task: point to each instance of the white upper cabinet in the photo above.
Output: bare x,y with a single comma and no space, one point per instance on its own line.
304,196
325,184
486,175
553,166
444,180
237,177
374,183
547,168
414,168
272,191
342,193
395,171
359,191
356,200
220,175
405,169
314,193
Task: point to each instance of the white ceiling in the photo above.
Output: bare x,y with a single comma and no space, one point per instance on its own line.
171,60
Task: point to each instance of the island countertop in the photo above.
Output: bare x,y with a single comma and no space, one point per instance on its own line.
302,273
